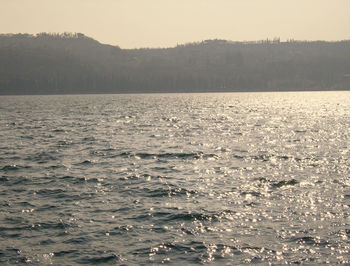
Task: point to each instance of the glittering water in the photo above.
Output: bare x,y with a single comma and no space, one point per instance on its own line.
183,179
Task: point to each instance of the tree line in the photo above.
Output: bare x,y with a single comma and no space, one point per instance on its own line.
72,63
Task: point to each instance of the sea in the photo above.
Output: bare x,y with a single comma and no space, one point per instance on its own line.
182,179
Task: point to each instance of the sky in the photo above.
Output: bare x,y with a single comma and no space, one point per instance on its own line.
166,23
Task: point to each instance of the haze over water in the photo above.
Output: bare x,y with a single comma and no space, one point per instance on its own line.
175,178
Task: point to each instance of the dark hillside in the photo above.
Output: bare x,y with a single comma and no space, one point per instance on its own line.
74,63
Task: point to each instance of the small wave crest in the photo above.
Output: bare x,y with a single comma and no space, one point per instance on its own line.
184,156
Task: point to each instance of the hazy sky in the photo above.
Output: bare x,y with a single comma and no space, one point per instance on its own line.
161,23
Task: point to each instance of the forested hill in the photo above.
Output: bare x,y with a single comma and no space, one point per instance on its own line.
73,63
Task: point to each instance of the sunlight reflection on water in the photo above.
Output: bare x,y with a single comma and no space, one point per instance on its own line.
182,178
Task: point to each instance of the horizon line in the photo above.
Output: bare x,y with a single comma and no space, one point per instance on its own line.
273,40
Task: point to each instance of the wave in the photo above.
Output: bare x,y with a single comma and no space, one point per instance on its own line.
73,179
100,260
121,229
311,241
283,183
168,192
278,184
14,167
202,252
61,225
66,252
191,155
42,157
85,162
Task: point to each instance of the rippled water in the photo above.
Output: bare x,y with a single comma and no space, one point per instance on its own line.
183,179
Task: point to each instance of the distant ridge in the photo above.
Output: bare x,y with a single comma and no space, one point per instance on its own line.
72,63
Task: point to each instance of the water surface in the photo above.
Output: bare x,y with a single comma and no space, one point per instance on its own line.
175,178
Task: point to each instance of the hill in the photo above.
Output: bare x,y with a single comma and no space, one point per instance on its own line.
74,63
